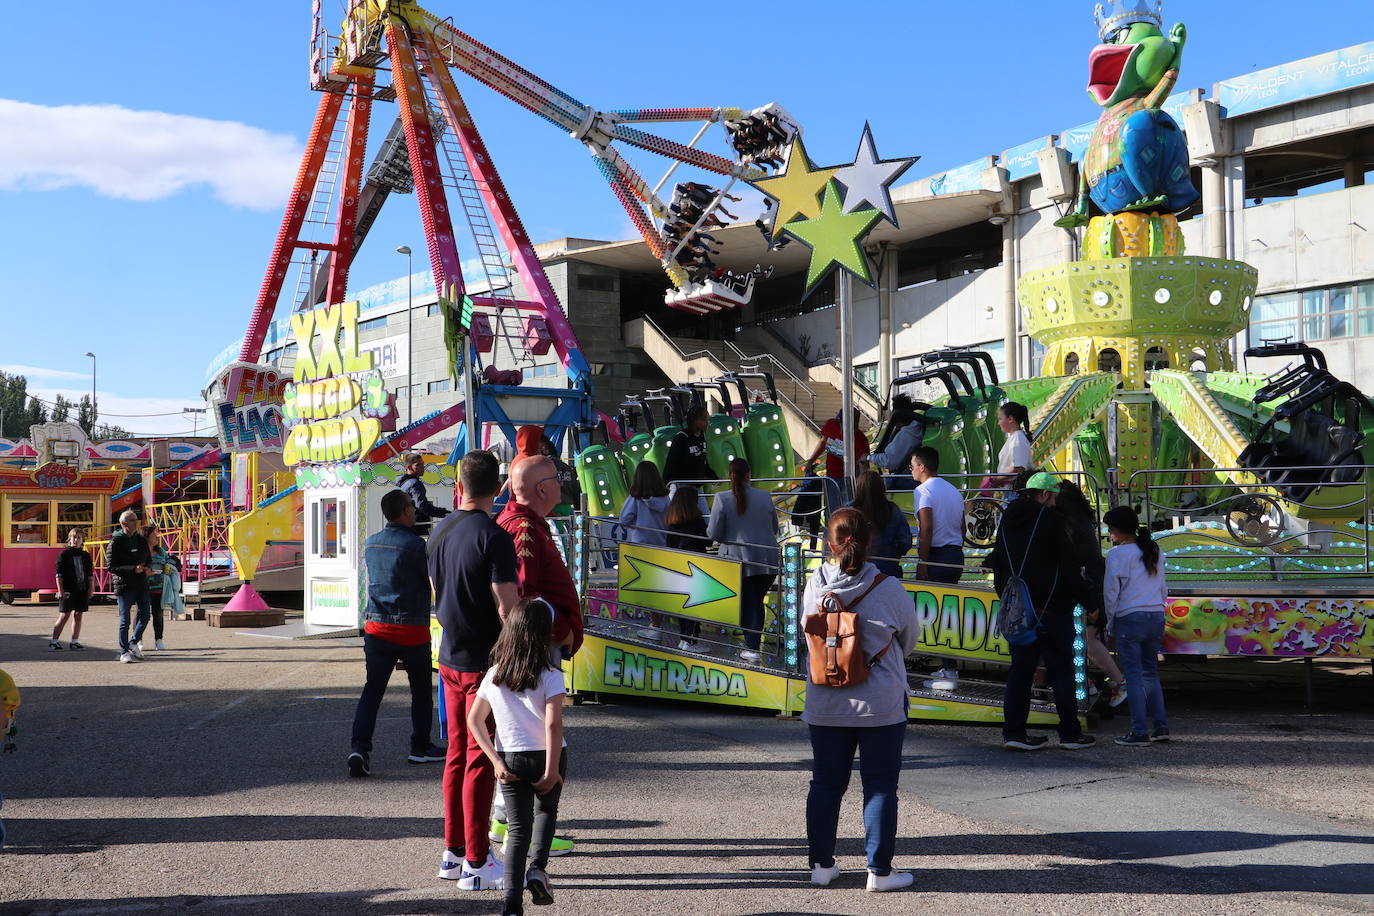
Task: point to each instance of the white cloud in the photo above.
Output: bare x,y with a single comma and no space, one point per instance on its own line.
142,155
136,409
40,372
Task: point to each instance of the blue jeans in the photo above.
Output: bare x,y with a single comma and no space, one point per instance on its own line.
1138,640
880,765
381,656
127,600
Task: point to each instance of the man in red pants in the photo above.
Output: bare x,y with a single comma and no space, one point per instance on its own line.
473,569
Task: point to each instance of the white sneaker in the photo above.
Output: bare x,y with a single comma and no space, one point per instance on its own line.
687,645
160,646
450,866
749,655
648,633
892,881
125,657
822,876
490,877
136,650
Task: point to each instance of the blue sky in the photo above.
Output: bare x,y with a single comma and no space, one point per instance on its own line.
141,233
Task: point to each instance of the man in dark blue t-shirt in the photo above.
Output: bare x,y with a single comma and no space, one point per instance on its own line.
473,569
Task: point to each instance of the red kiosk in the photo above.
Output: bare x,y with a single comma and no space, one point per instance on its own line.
37,508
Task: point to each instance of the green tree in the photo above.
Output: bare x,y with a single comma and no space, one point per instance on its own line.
111,431
61,410
86,416
36,414
14,416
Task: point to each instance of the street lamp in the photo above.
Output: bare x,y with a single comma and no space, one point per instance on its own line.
195,418
94,412
410,337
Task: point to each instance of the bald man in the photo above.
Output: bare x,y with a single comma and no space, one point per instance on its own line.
543,574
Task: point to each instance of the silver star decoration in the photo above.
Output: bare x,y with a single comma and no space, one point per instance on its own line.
868,179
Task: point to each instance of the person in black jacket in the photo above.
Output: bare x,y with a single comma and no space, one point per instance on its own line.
75,582
129,558
410,482
687,454
1033,541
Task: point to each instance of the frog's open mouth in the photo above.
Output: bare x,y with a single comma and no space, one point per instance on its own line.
1106,63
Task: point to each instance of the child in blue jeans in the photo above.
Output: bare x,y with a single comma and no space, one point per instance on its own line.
523,692
1134,593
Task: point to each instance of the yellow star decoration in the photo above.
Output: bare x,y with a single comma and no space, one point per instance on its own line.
797,190
833,237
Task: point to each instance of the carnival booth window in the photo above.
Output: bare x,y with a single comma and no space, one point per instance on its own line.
328,527
44,523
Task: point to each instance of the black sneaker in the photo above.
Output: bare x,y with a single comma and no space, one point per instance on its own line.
1077,744
1159,735
430,754
537,883
1134,740
54,645
1025,743
357,765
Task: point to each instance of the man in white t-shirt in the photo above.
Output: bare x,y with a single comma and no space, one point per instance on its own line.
940,514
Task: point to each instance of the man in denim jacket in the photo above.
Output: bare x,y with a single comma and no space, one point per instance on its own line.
396,629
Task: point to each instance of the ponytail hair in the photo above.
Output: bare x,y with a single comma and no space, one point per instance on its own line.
1124,520
739,484
849,535
1019,413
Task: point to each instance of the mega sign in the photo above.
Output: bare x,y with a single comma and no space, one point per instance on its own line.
336,404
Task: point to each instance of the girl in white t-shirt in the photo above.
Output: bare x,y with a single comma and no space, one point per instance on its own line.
1015,456
523,692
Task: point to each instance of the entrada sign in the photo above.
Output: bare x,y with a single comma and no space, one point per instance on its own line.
958,623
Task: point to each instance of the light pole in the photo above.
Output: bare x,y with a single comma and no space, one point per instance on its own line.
410,340
94,411
195,413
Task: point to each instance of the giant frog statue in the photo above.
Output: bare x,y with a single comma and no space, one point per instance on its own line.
1137,159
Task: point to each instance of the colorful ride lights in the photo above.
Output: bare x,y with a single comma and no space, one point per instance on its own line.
1080,665
791,598
579,536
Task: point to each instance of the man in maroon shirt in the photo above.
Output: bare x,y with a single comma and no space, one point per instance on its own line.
535,492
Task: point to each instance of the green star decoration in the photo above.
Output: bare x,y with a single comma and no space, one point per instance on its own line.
833,238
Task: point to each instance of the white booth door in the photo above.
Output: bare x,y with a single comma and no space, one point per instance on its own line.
332,558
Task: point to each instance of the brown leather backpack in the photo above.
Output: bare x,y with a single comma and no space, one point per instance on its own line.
834,636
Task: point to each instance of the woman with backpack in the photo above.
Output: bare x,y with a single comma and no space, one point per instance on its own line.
866,710
1135,593
892,532
744,523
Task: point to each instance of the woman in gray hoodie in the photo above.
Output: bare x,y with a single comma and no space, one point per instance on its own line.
869,718
745,524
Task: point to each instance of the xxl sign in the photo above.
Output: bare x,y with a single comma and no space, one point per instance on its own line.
336,404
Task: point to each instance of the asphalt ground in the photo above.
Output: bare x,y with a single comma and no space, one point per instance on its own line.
211,778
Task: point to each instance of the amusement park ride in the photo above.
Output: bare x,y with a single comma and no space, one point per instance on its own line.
1256,486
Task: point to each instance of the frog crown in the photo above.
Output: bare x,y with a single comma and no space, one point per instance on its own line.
1120,13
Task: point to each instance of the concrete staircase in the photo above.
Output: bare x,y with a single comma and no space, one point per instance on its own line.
808,396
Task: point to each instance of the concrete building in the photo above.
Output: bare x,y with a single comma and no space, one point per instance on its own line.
1281,157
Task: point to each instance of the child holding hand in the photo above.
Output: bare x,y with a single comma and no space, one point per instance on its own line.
523,693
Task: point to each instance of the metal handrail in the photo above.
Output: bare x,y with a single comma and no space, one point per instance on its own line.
710,354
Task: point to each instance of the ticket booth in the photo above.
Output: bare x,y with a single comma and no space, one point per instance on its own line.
37,509
342,509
